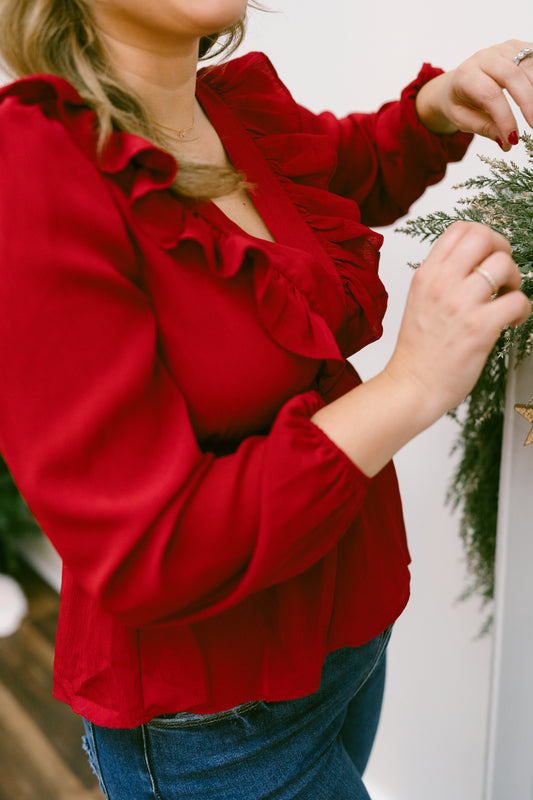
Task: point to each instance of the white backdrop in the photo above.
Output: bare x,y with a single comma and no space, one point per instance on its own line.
340,56
345,56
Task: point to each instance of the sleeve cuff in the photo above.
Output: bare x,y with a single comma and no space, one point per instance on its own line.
309,405
446,147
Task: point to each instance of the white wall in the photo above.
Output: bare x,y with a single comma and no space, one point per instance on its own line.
338,55
347,56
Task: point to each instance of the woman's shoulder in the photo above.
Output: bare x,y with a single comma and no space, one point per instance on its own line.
42,90
42,116
251,86
46,127
251,68
41,97
249,75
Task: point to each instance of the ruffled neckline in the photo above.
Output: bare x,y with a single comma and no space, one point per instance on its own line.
301,164
316,286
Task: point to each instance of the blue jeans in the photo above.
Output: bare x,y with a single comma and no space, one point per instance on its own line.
312,748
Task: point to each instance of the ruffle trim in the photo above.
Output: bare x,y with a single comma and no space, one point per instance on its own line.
291,306
304,163
283,291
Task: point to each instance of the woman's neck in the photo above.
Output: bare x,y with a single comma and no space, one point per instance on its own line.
164,79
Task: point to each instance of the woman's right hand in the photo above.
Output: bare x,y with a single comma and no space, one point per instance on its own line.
450,322
450,325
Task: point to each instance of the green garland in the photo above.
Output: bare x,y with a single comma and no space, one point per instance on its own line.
502,199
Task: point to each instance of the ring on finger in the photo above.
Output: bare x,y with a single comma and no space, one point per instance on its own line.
526,52
490,280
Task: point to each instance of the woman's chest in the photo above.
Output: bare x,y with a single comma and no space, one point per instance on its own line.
232,373
240,209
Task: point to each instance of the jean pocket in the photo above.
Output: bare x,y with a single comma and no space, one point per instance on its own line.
185,719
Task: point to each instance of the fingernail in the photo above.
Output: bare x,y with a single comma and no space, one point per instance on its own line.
499,141
513,137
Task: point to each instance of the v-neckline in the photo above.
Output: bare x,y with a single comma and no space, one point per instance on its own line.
277,210
316,275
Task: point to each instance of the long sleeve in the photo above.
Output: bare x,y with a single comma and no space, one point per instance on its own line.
387,159
97,433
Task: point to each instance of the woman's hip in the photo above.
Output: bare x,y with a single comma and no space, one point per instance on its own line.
286,750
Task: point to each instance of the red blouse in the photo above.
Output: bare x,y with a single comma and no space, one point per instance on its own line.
160,368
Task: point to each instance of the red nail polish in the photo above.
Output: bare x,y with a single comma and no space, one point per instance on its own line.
499,141
513,137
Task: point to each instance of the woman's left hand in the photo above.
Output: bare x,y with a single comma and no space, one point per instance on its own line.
471,98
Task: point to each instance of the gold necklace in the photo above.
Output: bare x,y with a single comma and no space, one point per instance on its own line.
181,133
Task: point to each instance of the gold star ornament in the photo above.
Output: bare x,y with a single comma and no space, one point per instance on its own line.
526,411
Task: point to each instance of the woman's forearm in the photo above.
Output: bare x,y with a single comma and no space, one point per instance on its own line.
375,420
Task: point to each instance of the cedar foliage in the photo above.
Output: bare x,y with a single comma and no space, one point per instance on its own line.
503,199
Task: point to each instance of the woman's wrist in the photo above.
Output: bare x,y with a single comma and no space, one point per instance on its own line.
372,422
429,108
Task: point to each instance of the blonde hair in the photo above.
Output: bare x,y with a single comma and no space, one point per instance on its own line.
59,37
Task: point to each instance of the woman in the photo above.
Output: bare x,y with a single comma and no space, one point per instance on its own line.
184,272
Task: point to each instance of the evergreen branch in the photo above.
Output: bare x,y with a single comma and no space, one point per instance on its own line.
503,199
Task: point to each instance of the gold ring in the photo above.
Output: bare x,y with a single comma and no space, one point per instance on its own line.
490,280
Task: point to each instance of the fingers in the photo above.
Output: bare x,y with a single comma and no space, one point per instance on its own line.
510,309
517,78
464,246
495,276
471,265
499,73
477,101
480,104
